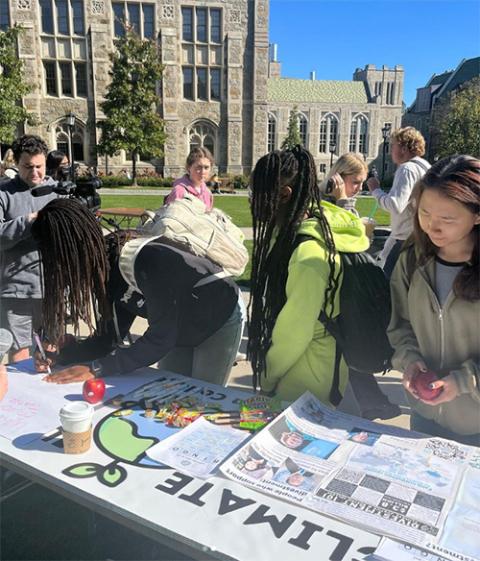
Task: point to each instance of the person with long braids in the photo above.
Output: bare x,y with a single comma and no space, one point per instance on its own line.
294,280
194,320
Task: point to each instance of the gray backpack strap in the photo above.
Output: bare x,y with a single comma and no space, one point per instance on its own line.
212,278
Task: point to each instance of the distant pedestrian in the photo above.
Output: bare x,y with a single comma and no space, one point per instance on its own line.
9,168
58,166
199,168
407,147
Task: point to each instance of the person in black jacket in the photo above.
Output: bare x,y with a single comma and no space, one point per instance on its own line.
194,318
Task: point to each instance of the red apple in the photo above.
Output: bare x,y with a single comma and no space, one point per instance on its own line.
421,384
94,390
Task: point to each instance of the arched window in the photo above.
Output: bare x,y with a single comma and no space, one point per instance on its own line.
303,128
328,133
62,138
271,133
358,134
202,134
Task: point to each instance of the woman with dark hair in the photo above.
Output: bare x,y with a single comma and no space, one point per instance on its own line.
194,321
57,165
296,275
436,301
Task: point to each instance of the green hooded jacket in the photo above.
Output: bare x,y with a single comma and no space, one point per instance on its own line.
302,354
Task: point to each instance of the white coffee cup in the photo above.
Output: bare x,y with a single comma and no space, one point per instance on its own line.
76,416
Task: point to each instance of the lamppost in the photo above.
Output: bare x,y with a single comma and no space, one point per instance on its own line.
71,118
332,149
385,133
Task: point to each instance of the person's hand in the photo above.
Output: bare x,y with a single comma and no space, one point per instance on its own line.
450,390
412,370
338,191
77,373
373,183
3,381
32,216
51,352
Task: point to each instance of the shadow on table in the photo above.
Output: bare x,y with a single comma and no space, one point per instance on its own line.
38,524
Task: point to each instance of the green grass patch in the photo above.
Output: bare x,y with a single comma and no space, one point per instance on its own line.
364,207
244,280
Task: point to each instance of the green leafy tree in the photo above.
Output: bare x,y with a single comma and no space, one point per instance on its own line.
455,123
13,86
131,120
293,133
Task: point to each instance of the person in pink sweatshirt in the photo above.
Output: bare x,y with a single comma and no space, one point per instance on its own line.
199,168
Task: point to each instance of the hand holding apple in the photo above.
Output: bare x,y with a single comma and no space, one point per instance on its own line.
93,390
423,385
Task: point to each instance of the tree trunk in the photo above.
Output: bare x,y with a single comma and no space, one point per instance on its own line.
134,168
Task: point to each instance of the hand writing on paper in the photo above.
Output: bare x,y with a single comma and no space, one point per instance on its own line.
42,365
77,373
450,390
412,370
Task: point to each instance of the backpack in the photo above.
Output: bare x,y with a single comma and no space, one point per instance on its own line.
360,330
187,224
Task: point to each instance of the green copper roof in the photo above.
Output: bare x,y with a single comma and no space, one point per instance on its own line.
315,91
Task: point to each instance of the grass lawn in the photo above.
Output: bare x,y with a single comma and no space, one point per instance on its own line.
235,206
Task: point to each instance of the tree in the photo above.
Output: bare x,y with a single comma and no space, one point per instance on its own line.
293,134
13,86
455,122
132,122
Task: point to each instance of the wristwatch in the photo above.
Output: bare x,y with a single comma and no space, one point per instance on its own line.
96,368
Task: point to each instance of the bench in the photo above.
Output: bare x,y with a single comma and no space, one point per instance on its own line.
123,218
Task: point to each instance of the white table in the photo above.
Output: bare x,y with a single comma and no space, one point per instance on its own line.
214,518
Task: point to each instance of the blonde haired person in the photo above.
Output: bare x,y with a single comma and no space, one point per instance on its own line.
407,149
9,166
344,180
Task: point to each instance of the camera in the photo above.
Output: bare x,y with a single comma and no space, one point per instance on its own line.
84,191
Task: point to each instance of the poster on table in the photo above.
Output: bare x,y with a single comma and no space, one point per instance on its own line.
218,517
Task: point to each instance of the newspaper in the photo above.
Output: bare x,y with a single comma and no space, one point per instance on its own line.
388,480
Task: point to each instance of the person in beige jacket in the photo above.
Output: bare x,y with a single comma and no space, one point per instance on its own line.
435,291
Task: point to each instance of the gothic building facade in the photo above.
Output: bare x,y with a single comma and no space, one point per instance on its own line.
220,88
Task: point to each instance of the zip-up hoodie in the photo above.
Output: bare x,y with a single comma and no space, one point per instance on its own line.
302,353
446,338
19,258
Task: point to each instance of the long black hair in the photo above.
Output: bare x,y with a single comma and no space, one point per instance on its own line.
272,217
75,266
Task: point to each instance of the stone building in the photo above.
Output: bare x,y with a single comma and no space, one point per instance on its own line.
220,87
422,111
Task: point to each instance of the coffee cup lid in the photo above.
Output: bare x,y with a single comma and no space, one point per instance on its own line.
76,410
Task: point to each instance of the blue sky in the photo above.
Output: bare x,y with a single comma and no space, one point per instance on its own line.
333,37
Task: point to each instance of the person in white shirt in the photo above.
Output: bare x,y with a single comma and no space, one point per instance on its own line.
407,149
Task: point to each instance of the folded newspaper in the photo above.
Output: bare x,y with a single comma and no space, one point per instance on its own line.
419,490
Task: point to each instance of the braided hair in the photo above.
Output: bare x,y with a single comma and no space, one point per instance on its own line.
75,266
275,225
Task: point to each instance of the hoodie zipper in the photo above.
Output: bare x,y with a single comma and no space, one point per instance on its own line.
440,318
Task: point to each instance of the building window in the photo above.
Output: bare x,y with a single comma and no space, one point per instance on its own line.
187,82
358,134
81,78
50,77
202,56
271,133
62,138
303,128
187,24
64,48
4,14
202,134
390,93
328,133
66,74
140,16
323,168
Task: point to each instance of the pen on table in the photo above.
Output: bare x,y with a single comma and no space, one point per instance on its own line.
42,351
